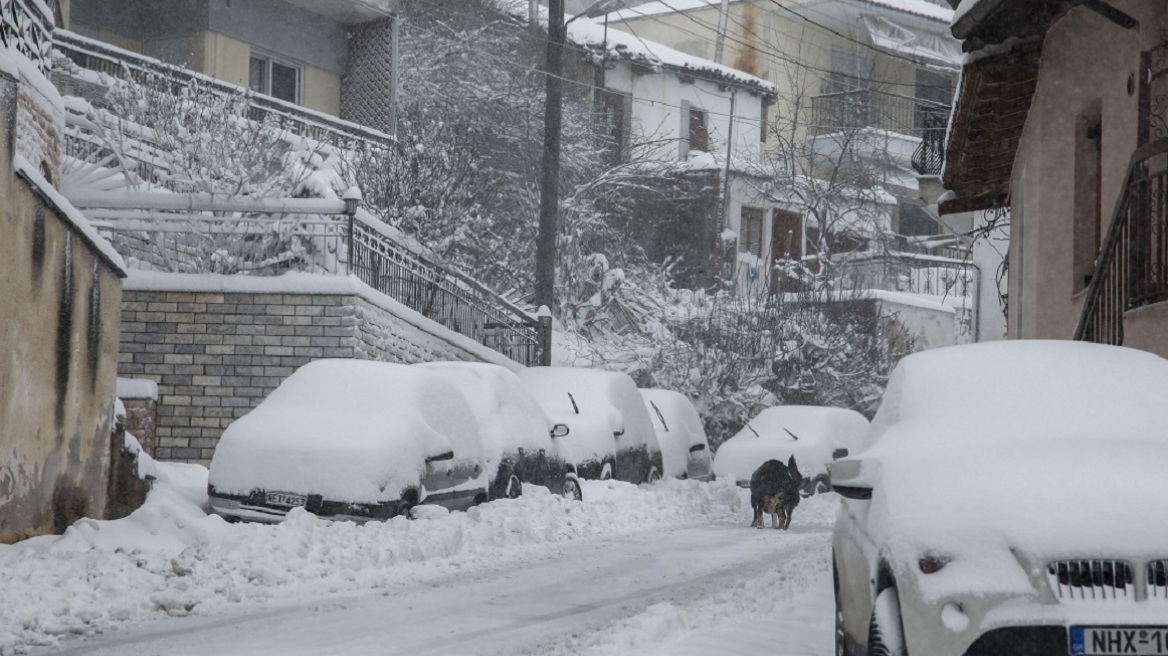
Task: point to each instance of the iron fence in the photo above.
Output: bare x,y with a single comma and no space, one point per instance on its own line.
91,55
26,28
264,245
1132,268
870,108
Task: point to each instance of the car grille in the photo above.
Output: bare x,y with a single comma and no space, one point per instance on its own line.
1156,582
1091,579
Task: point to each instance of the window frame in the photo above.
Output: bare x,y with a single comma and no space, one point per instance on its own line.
269,62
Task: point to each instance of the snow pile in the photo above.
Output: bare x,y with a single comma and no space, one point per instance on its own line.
171,558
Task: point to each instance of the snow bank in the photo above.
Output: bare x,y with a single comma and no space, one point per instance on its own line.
171,558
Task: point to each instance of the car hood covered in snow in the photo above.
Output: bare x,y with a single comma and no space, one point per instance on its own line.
1003,457
349,430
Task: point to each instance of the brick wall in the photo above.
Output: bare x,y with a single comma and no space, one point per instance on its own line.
215,355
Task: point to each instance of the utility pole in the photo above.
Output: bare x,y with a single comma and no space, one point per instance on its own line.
721,36
549,196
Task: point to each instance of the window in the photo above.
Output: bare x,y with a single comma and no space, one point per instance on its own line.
1088,197
751,229
274,78
699,136
786,229
936,90
617,110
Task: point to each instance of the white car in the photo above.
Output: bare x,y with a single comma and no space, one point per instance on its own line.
1011,499
350,439
519,440
815,435
610,433
685,451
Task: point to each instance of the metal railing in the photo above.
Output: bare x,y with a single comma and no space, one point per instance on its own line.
91,55
1132,268
928,158
26,28
871,108
912,273
264,245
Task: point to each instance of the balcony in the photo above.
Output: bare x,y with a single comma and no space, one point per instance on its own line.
81,64
909,130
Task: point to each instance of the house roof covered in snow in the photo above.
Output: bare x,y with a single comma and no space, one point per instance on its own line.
615,45
591,35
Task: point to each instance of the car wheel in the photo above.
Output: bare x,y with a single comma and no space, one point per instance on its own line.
571,489
654,475
514,487
885,631
406,508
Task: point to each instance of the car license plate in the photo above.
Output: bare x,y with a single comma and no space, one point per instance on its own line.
285,499
1113,640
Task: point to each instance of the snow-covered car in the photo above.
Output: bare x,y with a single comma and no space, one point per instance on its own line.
815,435
350,439
519,440
685,451
1010,498
610,433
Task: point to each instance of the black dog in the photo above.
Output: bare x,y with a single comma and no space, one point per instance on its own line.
774,489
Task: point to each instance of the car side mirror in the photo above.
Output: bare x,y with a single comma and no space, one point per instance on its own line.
618,433
560,430
839,453
852,479
448,455
697,447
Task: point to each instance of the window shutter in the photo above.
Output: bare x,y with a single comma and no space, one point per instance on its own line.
683,130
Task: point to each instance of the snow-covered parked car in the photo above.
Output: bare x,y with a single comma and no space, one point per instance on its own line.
610,434
685,450
350,439
519,440
815,435
1010,498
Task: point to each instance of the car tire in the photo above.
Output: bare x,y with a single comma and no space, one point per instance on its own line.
571,489
885,631
653,476
514,487
406,508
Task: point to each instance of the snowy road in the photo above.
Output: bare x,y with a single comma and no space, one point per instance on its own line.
695,581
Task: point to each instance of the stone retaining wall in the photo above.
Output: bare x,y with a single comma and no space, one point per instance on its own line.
216,354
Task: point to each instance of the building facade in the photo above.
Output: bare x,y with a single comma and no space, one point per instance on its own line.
1059,122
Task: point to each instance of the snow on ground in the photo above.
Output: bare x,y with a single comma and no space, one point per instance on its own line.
171,559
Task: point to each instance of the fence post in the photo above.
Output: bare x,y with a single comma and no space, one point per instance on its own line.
349,246
544,338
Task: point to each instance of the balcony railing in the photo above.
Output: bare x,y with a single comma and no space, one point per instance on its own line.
879,110
88,56
26,26
265,244
1132,268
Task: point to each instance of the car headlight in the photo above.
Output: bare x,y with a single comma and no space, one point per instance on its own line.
931,563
